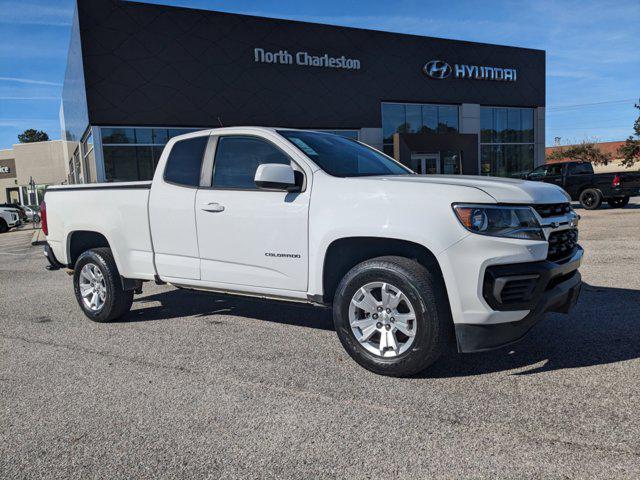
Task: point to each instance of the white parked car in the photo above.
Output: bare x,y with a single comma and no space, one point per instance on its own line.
9,218
408,263
33,214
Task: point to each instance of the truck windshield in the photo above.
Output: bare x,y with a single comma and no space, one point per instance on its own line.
342,157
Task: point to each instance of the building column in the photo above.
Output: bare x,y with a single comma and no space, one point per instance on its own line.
539,135
470,123
98,168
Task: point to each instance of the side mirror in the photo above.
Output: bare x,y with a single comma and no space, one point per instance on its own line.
276,176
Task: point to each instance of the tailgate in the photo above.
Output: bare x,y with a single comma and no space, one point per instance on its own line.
630,180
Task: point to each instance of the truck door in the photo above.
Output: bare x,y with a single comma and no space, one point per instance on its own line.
249,236
554,174
171,209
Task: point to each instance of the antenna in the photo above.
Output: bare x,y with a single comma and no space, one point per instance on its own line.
220,122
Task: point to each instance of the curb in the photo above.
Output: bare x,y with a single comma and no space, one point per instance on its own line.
38,238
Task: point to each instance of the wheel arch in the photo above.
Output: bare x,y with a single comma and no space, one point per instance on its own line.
79,241
343,254
587,186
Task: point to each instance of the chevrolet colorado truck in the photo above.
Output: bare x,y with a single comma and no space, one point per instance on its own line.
407,262
587,187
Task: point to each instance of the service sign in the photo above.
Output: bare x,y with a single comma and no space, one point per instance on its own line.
305,59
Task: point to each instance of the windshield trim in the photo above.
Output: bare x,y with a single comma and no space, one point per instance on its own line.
408,171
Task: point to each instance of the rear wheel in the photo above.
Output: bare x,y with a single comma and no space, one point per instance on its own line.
98,287
36,219
590,199
619,202
392,316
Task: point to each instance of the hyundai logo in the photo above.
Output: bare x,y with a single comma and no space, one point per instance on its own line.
437,69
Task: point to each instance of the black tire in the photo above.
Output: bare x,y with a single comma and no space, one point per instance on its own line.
36,219
590,199
4,228
619,202
425,290
117,301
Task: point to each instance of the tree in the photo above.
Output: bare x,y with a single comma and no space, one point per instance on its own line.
32,135
585,152
630,151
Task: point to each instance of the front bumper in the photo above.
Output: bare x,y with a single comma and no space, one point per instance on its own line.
14,221
556,288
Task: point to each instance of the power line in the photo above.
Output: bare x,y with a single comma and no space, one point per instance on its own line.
578,129
560,107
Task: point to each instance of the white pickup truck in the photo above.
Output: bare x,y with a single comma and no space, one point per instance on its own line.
408,262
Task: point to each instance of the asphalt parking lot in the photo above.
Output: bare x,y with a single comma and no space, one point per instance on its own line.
201,385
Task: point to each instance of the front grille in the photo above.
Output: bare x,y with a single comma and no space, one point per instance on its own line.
553,209
562,244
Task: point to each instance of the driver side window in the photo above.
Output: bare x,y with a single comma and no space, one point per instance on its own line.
237,158
554,170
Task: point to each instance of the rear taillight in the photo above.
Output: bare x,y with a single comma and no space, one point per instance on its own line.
616,181
43,218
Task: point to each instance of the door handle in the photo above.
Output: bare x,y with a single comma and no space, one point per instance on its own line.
214,207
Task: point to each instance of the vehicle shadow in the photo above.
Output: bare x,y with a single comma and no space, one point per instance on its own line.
185,303
603,328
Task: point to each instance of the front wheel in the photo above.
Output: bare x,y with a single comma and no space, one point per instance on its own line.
392,316
4,228
98,288
590,199
619,202
36,219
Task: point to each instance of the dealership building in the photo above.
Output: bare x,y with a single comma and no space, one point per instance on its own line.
27,169
138,74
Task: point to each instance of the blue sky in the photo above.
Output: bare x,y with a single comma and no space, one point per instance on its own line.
593,51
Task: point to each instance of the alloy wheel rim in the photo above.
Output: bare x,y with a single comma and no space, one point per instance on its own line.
382,319
589,199
93,287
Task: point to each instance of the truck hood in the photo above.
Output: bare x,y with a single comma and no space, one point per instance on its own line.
503,190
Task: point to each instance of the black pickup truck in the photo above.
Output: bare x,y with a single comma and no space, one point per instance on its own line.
590,189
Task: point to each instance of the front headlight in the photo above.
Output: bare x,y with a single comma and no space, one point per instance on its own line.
500,221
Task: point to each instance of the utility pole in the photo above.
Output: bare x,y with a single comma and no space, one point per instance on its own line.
33,200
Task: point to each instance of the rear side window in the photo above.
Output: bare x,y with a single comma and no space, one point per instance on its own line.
580,168
185,161
238,158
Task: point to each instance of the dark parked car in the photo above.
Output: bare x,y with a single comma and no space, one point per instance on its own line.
16,206
590,189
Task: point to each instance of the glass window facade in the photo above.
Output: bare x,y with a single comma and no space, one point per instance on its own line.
132,154
352,134
88,157
416,118
31,196
506,141
450,162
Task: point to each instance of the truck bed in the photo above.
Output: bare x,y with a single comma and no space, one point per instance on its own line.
629,184
119,212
